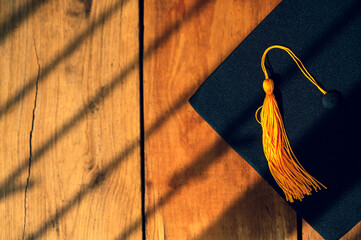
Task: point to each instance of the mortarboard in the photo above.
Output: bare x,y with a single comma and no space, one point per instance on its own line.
326,36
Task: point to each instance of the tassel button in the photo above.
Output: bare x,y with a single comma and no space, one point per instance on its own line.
268,86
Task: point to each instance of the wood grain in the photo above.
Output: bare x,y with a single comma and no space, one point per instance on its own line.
85,161
196,186
308,233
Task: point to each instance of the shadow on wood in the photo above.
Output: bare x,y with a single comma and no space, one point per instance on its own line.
179,180
65,53
13,189
19,16
98,98
45,71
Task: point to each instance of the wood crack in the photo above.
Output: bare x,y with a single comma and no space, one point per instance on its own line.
31,138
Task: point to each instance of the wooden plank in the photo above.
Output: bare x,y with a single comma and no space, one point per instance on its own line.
17,63
85,161
196,186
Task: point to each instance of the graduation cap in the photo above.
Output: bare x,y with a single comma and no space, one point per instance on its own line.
320,122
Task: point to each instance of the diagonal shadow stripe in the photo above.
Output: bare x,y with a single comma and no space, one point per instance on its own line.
64,54
21,14
15,188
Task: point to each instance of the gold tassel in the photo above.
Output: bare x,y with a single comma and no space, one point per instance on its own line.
289,174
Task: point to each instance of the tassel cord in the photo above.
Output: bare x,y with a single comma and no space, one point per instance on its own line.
297,61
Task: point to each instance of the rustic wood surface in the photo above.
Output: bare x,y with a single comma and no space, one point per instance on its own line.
79,61
70,155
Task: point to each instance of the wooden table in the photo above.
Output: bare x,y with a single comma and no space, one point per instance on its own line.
99,141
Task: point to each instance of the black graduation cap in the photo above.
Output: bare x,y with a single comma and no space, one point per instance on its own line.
326,36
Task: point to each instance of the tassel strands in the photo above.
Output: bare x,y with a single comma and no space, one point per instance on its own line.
287,171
